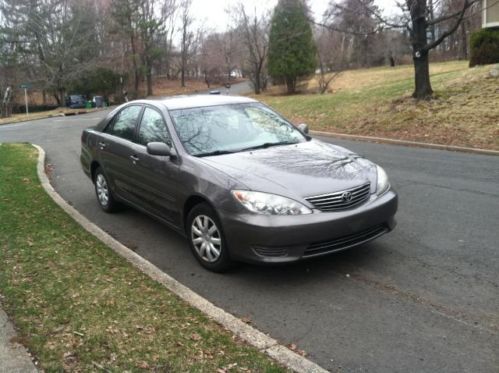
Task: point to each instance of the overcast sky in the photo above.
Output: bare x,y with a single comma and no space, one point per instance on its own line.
211,14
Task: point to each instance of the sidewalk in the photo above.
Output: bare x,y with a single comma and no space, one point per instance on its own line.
13,357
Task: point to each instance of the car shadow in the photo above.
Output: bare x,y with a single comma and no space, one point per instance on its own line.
337,264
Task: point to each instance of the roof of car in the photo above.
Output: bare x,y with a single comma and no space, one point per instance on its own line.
192,101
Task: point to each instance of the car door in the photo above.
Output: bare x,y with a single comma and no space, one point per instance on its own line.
156,177
115,151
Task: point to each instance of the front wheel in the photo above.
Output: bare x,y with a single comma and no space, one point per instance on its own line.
206,239
103,192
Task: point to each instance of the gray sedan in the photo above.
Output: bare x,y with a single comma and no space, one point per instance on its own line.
237,179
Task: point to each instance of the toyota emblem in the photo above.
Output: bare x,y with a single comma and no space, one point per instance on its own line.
346,197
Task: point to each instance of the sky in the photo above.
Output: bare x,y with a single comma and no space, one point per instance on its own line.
212,15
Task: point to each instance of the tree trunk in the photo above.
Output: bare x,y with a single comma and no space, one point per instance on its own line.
419,40
149,82
134,60
257,79
62,101
57,99
149,77
182,75
464,42
291,84
423,88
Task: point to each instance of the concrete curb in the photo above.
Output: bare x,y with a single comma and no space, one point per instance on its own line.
385,140
251,335
60,115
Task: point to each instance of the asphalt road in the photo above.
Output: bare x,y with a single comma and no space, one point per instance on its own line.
424,298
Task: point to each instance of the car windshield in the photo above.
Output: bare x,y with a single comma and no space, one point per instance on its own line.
232,128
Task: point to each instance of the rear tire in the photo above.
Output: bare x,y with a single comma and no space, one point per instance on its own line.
105,197
206,239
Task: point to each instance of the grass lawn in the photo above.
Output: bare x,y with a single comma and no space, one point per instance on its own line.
80,307
377,102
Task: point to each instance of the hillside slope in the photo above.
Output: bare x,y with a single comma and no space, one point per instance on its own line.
377,102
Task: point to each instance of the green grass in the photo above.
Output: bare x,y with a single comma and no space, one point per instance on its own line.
377,102
80,307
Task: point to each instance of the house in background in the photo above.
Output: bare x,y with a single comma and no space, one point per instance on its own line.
490,17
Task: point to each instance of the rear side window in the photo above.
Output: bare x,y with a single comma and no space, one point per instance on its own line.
124,122
153,128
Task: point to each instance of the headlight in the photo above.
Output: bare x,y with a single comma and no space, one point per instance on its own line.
382,184
269,204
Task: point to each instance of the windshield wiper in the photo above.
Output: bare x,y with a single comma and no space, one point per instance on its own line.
268,145
261,146
215,152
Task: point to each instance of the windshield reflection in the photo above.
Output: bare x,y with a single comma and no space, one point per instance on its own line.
231,128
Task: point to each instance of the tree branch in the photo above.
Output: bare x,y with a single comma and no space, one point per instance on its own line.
453,15
449,32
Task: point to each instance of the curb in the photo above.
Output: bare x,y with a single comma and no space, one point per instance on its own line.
385,140
59,115
251,335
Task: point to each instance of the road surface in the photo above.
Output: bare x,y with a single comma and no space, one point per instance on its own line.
424,298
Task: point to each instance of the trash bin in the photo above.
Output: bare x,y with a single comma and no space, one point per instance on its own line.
88,105
98,101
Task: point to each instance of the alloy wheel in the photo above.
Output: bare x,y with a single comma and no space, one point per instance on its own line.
102,190
206,238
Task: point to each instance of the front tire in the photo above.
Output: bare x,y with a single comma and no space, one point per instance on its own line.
103,192
206,239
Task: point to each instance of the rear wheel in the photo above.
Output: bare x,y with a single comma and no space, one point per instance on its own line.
103,192
206,239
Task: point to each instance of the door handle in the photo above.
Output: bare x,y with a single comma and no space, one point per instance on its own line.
102,145
134,158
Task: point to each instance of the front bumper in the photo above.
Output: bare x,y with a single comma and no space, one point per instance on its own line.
281,239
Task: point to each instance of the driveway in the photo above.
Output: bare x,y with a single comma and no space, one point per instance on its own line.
424,298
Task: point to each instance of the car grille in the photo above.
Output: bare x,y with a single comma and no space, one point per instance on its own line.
344,200
344,242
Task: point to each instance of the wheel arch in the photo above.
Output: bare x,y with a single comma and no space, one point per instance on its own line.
191,202
93,167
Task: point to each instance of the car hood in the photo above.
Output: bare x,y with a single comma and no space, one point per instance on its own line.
306,169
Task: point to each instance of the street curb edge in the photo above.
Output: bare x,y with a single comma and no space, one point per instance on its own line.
386,140
251,335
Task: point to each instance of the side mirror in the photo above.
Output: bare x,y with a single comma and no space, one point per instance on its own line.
159,148
303,127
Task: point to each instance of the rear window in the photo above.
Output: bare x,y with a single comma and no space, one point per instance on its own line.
123,124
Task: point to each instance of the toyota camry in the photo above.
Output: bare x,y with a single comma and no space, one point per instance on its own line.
241,182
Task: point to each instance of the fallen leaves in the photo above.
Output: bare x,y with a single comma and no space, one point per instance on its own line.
293,347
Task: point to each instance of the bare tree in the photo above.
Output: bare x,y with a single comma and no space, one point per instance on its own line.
153,20
328,56
187,37
418,18
212,59
125,14
144,23
361,31
418,28
254,34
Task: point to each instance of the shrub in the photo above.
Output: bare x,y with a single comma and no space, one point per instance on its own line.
484,47
20,109
99,81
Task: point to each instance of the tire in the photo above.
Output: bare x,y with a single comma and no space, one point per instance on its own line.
206,239
105,197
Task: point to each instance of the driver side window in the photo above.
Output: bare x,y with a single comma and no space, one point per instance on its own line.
153,128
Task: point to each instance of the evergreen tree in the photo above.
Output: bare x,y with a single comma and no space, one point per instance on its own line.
291,46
